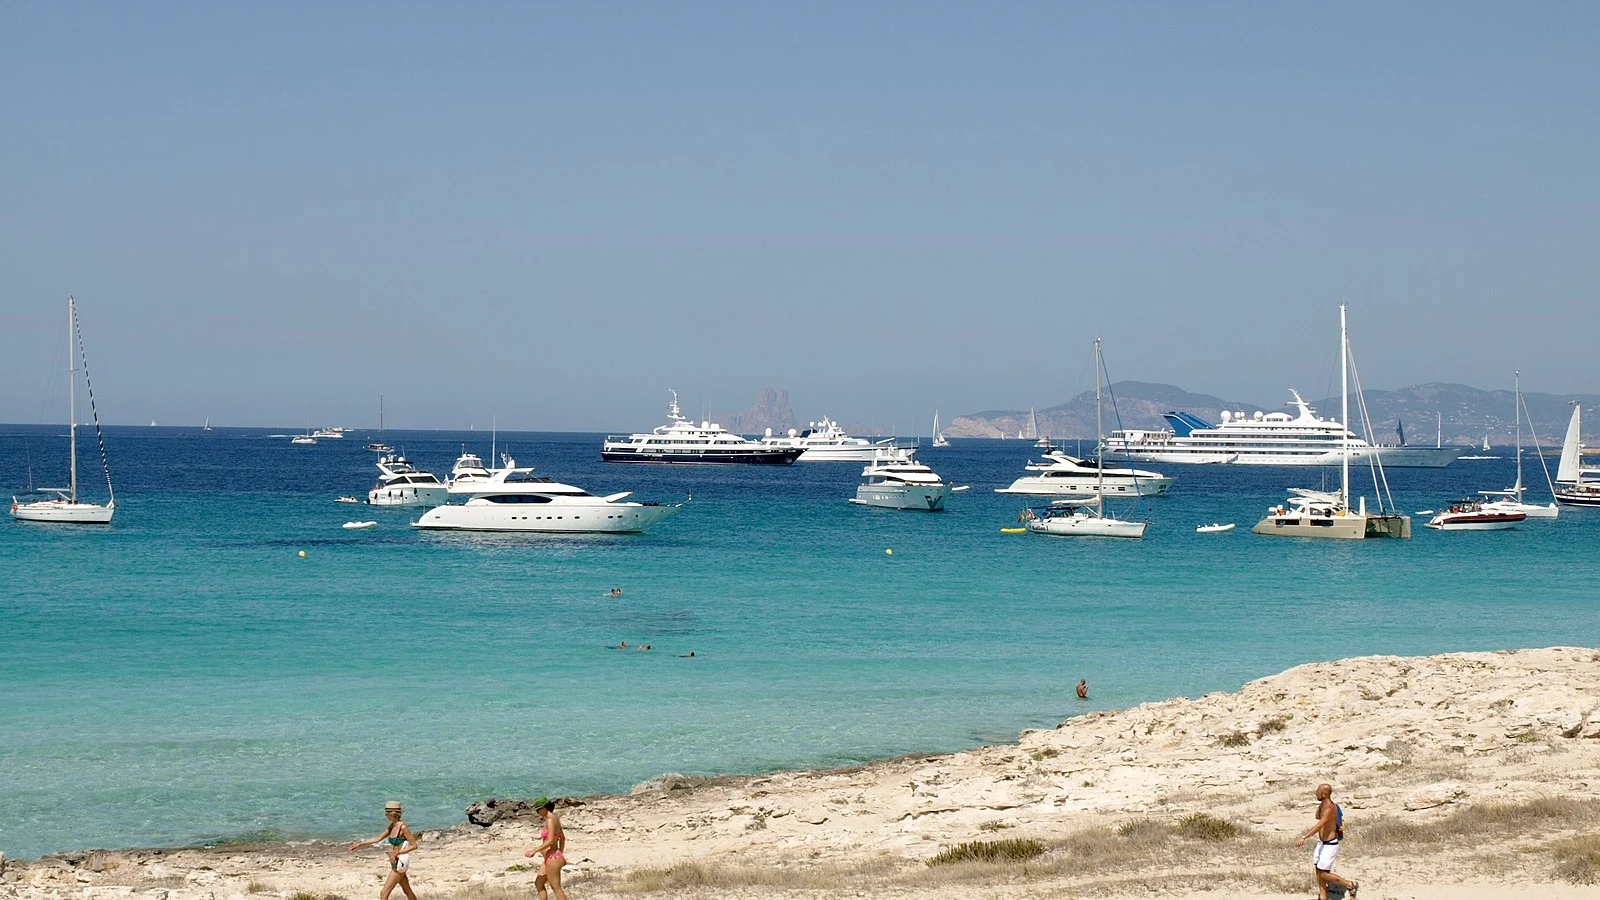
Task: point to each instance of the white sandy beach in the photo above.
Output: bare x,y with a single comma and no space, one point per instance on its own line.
1470,775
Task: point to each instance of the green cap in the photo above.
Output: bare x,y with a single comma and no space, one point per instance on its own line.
541,802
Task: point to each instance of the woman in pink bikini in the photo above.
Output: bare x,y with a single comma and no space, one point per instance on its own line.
553,844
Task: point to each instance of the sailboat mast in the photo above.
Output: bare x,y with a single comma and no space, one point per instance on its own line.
1518,411
1099,443
1344,413
72,400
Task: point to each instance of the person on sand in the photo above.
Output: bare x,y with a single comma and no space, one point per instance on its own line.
553,844
401,842
1329,830
1083,688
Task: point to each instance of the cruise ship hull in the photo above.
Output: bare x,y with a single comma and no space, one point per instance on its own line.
1391,457
594,518
699,457
890,496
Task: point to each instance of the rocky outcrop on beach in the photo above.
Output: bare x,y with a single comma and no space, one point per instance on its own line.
1493,756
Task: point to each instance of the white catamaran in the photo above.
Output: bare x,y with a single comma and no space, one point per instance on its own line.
1328,515
64,506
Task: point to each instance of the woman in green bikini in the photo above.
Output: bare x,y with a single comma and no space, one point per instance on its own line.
401,842
553,844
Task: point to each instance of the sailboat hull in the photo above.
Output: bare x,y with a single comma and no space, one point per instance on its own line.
1087,526
62,511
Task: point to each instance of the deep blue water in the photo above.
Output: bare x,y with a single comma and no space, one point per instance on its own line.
184,675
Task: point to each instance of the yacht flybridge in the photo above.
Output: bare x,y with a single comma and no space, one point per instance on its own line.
1328,515
65,507
1061,475
682,441
1264,439
515,499
823,441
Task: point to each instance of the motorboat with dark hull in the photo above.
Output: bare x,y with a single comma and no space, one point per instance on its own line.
683,442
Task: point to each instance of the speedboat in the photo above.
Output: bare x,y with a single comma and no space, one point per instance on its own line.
1474,515
823,441
335,433
307,438
1061,475
1264,439
682,441
515,499
401,484
1213,528
895,480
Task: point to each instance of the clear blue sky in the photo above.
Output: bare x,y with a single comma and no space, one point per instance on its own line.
272,212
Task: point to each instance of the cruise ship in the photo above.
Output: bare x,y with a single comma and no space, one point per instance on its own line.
682,441
1263,439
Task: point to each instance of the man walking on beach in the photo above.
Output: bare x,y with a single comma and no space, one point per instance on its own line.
1329,830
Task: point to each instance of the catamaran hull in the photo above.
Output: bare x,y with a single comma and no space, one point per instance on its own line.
1347,527
619,518
62,511
929,499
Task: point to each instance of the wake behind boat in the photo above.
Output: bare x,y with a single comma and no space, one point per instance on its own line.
65,507
682,441
515,499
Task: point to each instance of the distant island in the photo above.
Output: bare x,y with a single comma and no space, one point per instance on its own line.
1465,415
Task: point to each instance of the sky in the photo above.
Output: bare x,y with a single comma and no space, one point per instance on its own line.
549,214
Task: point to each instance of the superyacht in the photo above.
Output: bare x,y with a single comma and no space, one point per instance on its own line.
1264,439
682,441
823,441
1061,475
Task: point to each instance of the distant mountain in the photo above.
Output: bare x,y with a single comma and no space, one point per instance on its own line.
770,410
1139,403
1466,413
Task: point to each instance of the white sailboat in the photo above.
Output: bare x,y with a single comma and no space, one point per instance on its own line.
1085,517
378,446
1511,499
65,507
1328,515
207,425
938,436
1571,489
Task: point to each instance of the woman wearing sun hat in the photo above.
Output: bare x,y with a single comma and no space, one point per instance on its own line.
401,842
553,844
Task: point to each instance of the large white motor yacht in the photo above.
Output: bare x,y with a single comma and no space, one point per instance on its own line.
895,480
1061,475
515,499
401,484
1263,439
823,441
682,441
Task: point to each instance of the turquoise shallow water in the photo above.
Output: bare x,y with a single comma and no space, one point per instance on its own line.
184,676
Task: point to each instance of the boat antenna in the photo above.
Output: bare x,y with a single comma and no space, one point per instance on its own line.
105,461
1344,413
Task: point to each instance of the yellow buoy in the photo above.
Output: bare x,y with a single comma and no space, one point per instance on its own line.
889,552
302,554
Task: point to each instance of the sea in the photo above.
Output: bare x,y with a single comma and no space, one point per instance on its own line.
185,675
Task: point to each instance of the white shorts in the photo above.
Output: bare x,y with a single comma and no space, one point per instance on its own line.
1322,856
403,862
